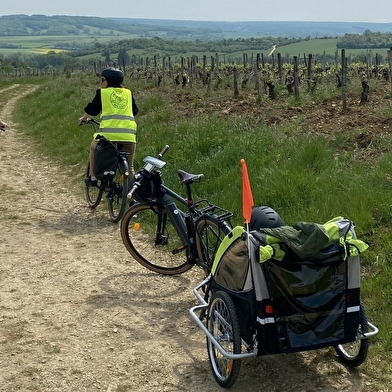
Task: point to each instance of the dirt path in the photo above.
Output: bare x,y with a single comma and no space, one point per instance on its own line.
78,314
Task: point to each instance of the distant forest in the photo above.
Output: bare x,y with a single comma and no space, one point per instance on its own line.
172,38
30,25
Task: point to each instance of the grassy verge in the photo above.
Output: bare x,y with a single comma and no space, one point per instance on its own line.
305,178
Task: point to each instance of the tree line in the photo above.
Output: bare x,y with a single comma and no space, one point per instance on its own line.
367,40
121,51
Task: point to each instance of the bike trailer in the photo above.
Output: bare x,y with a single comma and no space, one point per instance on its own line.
294,288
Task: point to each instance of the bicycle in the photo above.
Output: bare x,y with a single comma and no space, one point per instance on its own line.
115,187
159,235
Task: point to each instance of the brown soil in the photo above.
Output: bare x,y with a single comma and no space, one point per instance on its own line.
361,123
79,314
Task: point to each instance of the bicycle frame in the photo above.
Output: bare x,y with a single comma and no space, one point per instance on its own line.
184,223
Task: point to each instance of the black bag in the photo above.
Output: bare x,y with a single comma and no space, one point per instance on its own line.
105,159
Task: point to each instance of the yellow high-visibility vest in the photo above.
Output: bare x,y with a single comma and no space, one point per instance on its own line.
117,119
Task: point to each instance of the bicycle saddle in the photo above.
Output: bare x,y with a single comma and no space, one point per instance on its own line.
188,178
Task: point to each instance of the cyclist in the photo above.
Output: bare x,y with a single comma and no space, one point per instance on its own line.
118,109
2,124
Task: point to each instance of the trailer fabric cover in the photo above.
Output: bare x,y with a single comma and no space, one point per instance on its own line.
298,304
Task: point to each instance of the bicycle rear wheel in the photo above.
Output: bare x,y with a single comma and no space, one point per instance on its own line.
222,323
93,193
117,195
210,234
152,240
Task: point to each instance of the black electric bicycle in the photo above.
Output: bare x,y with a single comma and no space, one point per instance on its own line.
164,238
115,188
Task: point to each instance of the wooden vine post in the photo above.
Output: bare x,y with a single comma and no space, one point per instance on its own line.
204,70
389,55
235,76
296,77
369,64
211,73
280,68
309,69
245,60
171,70
156,70
256,75
191,66
344,80
163,71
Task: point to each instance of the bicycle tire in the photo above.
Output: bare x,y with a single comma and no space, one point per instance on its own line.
210,234
222,323
93,193
354,353
154,248
119,187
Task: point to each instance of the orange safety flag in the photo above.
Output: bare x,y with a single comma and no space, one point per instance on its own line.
247,198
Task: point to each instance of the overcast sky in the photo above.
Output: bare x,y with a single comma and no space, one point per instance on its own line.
211,10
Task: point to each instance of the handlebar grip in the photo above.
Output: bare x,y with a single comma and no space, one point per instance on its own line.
89,121
133,189
162,153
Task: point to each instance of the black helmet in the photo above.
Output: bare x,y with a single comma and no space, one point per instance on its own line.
114,76
264,216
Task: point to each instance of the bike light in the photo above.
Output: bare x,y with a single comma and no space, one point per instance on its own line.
269,309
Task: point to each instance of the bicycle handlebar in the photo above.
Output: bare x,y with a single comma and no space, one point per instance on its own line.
89,121
162,153
150,164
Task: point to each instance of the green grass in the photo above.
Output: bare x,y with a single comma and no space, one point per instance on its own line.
305,178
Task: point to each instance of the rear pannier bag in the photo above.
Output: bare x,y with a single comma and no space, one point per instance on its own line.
105,159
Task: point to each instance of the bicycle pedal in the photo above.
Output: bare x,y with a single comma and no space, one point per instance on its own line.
178,250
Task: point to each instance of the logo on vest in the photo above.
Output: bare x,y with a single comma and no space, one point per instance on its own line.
118,100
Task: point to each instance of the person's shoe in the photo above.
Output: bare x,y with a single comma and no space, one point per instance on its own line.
89,182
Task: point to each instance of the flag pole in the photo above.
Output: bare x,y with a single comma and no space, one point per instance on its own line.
247,199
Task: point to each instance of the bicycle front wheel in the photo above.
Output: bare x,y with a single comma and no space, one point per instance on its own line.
117,196
93,193
210,234
222,323
152,240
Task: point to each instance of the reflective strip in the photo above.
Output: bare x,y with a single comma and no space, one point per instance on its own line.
353,309
118,117
117,130
267,320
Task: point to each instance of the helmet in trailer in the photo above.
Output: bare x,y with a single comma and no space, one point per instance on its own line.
264,216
